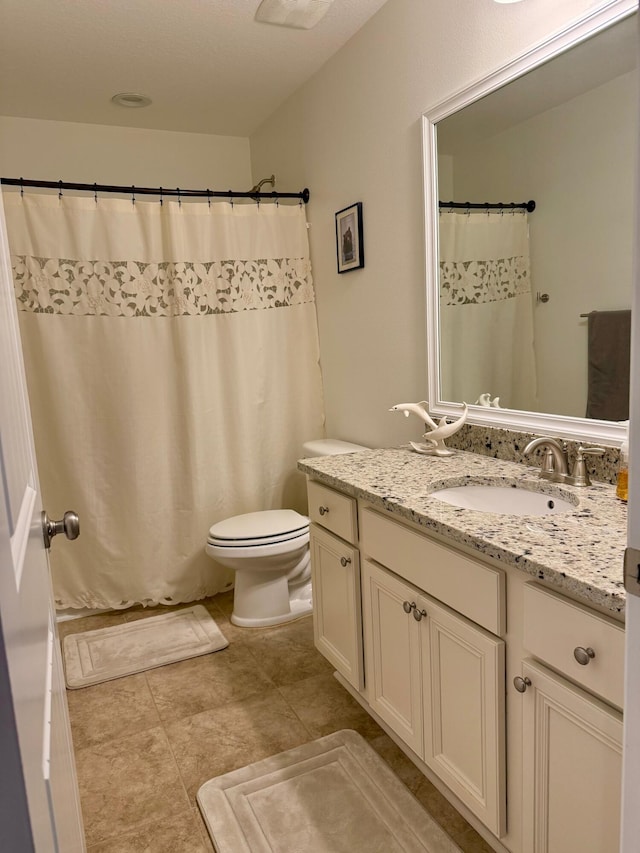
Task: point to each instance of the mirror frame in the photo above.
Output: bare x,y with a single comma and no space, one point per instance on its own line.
611,433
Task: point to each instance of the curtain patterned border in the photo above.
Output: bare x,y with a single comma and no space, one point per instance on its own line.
165,289
477,282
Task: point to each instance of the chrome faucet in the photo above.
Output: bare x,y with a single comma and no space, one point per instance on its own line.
555,466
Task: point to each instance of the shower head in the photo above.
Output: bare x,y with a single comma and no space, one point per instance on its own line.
271,180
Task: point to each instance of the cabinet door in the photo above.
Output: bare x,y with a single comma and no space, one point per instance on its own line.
392,653
464,710
572,768
337,614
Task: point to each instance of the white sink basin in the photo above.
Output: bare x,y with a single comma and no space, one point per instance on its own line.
503,500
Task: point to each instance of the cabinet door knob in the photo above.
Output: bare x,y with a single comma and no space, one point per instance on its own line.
418,614
323,510
408,606
521,684
344,561
583,656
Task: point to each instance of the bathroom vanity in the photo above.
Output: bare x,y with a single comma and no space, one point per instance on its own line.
489,646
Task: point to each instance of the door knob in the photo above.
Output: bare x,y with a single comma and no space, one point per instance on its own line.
70,526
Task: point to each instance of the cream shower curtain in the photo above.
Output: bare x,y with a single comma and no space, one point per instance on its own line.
173,368
486,309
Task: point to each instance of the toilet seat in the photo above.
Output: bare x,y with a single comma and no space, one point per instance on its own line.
255,529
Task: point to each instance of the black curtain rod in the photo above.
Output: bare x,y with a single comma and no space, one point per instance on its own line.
159,191
529,206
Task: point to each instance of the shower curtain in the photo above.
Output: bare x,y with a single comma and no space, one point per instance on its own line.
486,309
173,369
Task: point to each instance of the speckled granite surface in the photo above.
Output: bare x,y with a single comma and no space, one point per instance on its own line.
508,445
579,552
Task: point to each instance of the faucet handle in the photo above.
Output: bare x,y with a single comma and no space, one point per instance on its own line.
580,475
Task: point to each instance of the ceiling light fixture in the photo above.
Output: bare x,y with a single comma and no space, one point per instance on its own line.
300,14
131,99
507,1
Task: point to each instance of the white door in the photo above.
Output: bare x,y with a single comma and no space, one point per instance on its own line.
392,653
337,621
630,834
572,761
39,803
463,673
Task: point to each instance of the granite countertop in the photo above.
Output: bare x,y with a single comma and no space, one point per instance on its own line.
579,552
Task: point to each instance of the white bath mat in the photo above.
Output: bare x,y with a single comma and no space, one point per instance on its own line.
333,795
106,653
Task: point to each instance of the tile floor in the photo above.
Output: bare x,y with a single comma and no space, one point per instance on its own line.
144,744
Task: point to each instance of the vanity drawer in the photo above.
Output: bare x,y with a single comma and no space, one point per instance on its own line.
334,511
555,626
473,589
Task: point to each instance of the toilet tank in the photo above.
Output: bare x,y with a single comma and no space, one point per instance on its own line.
329,447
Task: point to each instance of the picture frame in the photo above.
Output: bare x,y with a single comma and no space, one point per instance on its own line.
349,239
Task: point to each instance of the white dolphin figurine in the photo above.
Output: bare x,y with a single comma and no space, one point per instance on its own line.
439,431
485,400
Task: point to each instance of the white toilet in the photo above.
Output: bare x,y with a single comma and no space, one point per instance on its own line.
269,552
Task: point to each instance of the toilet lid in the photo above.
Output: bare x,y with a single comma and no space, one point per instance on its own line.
259,528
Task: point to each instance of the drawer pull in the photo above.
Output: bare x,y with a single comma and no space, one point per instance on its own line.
323,510
408,606
418,614
583,656
521,684
344,561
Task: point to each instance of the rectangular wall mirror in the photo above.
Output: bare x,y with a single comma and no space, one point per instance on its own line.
528,313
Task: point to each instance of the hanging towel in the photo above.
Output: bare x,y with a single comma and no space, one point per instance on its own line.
609,344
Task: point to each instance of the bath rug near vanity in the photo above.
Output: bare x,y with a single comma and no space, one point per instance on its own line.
107,653
333,794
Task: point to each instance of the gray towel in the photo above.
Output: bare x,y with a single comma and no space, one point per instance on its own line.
609,358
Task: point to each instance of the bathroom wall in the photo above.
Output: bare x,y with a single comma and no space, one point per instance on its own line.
88,153
576,161
353,133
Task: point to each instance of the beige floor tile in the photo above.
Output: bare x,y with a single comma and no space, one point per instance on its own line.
140,612
441,809
471,842
199,684
111,710
287,654
91,623
402,766
178,834
324,706
234,735
126,782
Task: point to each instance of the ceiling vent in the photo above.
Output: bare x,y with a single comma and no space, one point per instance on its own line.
300,14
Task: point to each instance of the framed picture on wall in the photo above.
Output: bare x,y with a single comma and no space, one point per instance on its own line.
349,243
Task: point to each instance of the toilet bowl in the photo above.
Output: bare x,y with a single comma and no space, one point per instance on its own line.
269,552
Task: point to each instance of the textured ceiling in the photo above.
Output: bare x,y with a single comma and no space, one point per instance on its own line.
207,65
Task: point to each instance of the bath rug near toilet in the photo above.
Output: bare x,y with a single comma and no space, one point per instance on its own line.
333,795
107,653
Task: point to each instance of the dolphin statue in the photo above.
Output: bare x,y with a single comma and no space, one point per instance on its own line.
439,431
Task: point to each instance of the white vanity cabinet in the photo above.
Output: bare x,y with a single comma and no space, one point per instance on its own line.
572,741
335,574
438,681
497,686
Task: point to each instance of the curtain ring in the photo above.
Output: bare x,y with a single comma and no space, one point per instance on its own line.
59,190
95,193
179,198
133,194
21,189
209,197
231,199
160,196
